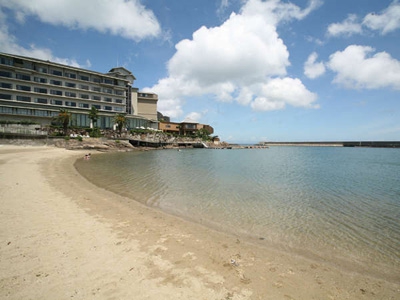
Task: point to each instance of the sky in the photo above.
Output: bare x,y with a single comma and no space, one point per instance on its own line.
300,70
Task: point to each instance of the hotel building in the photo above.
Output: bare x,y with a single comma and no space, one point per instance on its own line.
35,90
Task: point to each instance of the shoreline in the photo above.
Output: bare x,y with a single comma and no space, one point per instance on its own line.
62,236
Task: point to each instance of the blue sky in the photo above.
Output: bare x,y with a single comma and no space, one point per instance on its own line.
305,70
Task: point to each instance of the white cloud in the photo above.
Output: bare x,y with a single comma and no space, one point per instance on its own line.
348,27
194,116
126,18
313,69
230,62
9,44
357,67
387,21
279,92
223,6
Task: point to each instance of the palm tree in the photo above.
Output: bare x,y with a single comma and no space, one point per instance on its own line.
94,115
120,120
64,116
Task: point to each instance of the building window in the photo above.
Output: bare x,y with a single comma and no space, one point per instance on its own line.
23,88
108,91
108,107
42,69
5,85
107,99
68,103
96,106
96,89
119,101
41,100
5,96
56,82
70,94
84,96
190,126
98,98
5,74
70,75
5,110
6,61
83,77
21,111
83,105
40,79
56,92
56,102
119,93
96,79
56,72
24,98
40,90
23,77
41,113
70,84
108,81
84,87
118,109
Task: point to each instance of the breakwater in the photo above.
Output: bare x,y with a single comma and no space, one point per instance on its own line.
375,144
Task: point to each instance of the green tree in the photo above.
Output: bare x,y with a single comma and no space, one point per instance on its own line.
94,115
64,117
203,134
120,120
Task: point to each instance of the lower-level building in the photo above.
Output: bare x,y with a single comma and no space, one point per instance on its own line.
186,127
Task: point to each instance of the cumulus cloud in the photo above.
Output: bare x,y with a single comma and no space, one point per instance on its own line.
233,61
360,67
9,44
386,21
279,92
194,116
312,68
348,27
126,18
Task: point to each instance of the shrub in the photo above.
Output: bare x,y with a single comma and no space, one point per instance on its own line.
94,132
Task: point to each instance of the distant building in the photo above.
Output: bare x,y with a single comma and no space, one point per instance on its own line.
161,117
186,127
35,90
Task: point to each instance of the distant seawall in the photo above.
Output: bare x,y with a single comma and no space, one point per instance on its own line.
374,144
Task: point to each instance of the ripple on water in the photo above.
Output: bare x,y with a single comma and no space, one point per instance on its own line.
342,203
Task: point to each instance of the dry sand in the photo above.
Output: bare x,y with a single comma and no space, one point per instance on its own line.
63,238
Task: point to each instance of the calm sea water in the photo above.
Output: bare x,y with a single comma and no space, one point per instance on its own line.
341,205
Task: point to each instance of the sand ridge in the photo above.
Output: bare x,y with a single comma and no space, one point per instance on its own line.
63,238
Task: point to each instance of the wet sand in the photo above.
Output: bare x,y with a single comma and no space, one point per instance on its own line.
63,238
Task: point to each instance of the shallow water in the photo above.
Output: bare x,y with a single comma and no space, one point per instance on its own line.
341,205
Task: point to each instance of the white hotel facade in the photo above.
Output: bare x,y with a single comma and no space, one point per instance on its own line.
35,90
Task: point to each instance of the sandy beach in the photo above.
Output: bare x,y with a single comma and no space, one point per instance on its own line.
61,237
